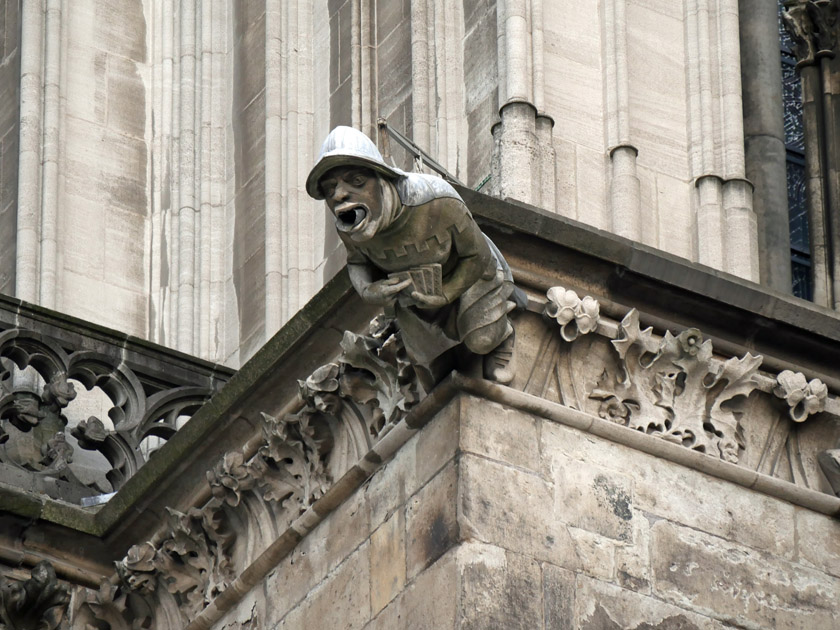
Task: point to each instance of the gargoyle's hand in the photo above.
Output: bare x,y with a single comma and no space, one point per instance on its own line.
428,301
382,291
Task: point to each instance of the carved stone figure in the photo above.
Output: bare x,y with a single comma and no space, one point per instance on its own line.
414,248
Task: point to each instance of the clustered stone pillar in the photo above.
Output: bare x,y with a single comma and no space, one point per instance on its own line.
814,26
725,219
523,162
764,138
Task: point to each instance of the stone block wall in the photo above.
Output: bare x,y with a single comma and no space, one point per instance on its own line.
495,518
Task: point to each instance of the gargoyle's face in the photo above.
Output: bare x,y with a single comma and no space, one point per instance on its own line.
354,195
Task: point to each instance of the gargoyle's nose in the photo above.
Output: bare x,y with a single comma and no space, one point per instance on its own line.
340,193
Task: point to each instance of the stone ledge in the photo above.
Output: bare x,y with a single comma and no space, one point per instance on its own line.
667,288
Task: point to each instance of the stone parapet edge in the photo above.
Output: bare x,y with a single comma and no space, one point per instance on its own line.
21,313
453,385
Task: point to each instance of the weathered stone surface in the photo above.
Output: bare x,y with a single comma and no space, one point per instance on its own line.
387,562
818,541
511,508
594,498
595,554
341,601
431,523
603,606
438,442
391,485
498,433
672,491
738,585
559,593
499,589
428,602
318,554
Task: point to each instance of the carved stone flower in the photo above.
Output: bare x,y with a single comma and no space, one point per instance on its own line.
804,398
587,314
561,304
614,410
230,477
320,389
690,341
576,316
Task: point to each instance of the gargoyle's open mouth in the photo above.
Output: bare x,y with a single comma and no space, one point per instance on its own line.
349,218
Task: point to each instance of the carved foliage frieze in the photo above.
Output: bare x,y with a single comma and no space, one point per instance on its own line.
345,406
673,388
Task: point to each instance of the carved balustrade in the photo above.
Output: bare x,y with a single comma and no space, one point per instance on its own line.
143,391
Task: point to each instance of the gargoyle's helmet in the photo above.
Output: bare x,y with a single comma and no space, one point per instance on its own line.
346,146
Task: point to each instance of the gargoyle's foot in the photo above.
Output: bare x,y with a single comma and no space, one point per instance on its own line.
498,364
830,464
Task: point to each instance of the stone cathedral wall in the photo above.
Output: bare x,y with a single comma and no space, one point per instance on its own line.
495,518
163,176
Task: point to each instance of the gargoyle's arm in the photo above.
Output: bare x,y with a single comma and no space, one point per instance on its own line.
474,261
363,278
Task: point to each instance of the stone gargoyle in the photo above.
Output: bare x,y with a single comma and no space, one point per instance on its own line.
414,248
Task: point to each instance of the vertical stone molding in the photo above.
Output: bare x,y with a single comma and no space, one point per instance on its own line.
437,106
716,138
623,182
624,192
815,28
290,252
187,185
363,56
42,45
524,151
764,142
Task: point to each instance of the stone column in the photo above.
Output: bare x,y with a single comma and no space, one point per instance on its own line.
725,227
29,159
523,163
815,29
761,79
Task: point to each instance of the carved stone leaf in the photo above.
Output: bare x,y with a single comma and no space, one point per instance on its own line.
39,603
360,353
738,374
230,478
138,570
675,388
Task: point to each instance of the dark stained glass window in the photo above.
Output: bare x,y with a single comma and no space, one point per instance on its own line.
800,251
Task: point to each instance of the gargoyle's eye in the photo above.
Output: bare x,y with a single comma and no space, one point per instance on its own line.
328,190
359,180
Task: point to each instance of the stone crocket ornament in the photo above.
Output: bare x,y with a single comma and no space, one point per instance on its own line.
414,248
